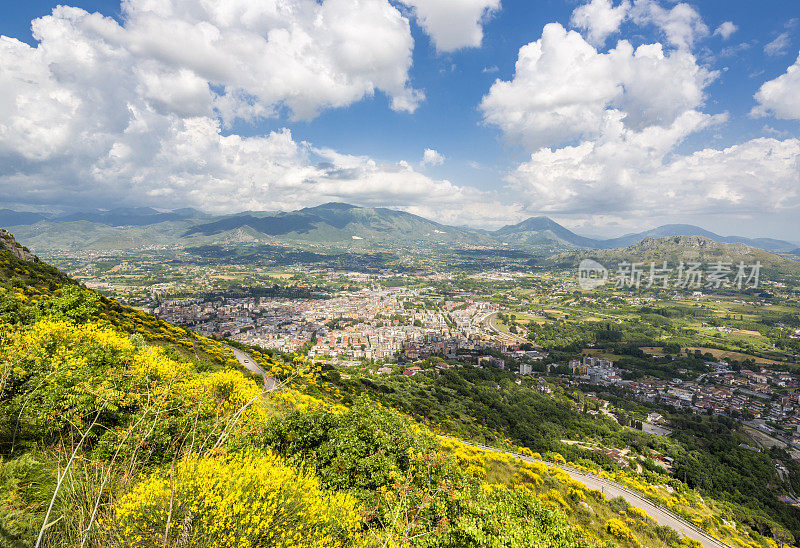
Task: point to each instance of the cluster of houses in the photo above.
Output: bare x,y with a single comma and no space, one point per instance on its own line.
371,324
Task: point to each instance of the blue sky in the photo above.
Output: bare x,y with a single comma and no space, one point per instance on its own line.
608,150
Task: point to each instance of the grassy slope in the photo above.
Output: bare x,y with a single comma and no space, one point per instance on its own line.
480,498
77,378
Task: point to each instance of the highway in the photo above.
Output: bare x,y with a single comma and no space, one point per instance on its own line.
612,489
488,320
253,367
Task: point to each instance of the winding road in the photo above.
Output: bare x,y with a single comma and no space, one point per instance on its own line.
612,489
489,319
248,363
609,488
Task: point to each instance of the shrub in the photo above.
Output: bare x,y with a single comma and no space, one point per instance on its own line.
246,500
617,528
667,534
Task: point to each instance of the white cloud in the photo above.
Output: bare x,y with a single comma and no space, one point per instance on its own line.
600,19
175,162
100,113
620,175
682,25
563,89
779,96
453,24
733,51
604,131
229,58
432,158
725,30
778,46
602,174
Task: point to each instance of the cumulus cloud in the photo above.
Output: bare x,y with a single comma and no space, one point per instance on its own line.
227,58
453,24
599,19
432,158
100,112
725,30
604,130
621,175
175,162
563,89
681,25
778,46
779,96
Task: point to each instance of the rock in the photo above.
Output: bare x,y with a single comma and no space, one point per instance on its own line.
10,245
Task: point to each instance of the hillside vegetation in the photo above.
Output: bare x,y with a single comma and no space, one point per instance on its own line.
117,429
120,430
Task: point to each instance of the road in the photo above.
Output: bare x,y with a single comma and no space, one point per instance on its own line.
612,489
489,319
253,367
609,488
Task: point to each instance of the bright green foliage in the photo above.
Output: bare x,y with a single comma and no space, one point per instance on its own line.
170,426
414,490
72,304
362,449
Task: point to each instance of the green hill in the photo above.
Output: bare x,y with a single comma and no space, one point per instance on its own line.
118,429
341,225
687,249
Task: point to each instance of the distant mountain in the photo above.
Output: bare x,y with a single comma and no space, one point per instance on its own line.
675,249
132,216
338,222
767,244
14,218
541,229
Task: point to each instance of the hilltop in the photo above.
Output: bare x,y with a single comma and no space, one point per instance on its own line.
336,222
9,245
676,249
539,229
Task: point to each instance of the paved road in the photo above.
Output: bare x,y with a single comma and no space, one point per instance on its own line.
489,320
612,489
251,365
609,488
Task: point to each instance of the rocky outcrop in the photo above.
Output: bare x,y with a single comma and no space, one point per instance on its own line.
10,245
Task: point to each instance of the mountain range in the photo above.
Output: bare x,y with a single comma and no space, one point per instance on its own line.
331,223
536,229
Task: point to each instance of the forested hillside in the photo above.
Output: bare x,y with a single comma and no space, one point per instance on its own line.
118,429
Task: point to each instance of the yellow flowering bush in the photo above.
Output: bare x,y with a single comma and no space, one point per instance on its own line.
224,391
245,500
618,529
526,475
638,513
